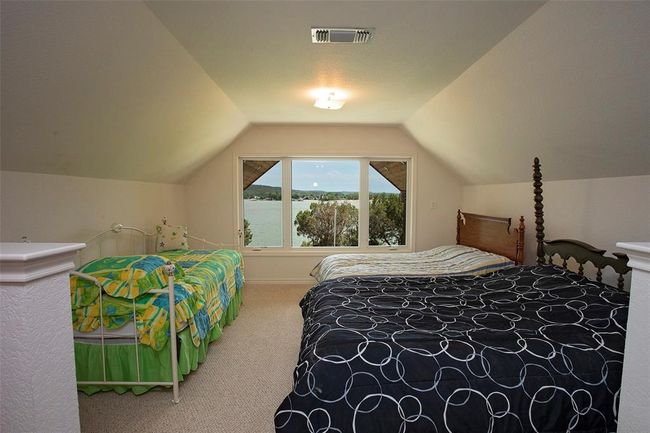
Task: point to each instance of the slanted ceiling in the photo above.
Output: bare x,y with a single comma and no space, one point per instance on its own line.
102,89
261,53
571,85
254,169
393,171
129,90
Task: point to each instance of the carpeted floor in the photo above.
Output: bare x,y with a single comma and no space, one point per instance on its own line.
245,377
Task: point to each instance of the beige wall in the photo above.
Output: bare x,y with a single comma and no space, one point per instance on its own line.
212,197
597,211
53,208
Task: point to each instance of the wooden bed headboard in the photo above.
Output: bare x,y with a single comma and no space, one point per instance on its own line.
491,234
567,249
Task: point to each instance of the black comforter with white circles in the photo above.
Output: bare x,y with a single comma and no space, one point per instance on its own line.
527,349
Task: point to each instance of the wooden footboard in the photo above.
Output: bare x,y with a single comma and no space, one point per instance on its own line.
567,249
582,253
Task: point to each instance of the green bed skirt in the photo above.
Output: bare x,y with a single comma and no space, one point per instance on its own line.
155,366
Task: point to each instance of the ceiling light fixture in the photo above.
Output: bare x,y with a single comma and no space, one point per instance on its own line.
329,99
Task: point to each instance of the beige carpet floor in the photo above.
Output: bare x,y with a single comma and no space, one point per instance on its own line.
246,375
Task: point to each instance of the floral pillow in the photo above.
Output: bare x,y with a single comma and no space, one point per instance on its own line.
171,237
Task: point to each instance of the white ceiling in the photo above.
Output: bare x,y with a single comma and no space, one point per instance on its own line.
260,53
129,90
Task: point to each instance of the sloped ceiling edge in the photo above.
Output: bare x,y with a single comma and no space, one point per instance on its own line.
569,85
104,90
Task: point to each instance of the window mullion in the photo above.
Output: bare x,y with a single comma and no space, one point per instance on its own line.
363,204
287,220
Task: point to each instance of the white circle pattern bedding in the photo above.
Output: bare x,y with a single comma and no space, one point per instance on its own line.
525,349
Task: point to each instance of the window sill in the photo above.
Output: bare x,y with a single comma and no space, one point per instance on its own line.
318,251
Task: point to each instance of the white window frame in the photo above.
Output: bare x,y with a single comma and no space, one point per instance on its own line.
287,224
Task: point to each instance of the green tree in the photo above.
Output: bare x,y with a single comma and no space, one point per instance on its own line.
317,223
248,234
387,221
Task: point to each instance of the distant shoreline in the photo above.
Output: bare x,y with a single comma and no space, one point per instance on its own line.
274,193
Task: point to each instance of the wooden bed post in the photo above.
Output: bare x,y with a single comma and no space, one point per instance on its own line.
459,221
539,211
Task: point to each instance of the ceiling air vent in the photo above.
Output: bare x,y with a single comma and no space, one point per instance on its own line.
320,35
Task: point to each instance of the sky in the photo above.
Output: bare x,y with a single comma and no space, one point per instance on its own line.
328,175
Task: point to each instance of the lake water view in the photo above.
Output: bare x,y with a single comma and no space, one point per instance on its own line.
265,219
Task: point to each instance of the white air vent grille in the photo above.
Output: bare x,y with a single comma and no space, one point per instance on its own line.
320,35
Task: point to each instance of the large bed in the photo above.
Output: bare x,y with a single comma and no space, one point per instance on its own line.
524,349
444,260
483,244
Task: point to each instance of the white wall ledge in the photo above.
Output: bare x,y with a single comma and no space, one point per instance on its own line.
634,400
24,262
37,355
638,253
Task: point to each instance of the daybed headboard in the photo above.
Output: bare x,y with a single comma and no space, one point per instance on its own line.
492,234
117,240
120,240
567,249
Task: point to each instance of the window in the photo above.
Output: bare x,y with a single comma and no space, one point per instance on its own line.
310,203
262,194
325,203
387,202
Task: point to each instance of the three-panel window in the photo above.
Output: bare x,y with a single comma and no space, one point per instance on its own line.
302,203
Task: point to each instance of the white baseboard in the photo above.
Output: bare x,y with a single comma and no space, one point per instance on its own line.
302,281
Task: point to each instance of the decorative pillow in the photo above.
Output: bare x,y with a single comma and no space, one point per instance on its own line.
171,237
120,276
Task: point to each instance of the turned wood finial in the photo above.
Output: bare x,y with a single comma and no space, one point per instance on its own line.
539,210
459,221
521,231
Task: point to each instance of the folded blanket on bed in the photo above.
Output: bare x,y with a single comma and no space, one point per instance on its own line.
445,260
152,311
120,276
217,273
207,281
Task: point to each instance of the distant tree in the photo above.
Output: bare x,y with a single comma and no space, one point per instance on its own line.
317,224
263,192
248,234
267,192
387,221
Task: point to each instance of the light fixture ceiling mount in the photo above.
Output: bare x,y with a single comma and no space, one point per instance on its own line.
329,99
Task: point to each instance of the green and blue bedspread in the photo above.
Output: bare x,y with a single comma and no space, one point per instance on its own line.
205,283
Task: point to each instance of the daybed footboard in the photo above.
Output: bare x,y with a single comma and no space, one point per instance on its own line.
169,271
